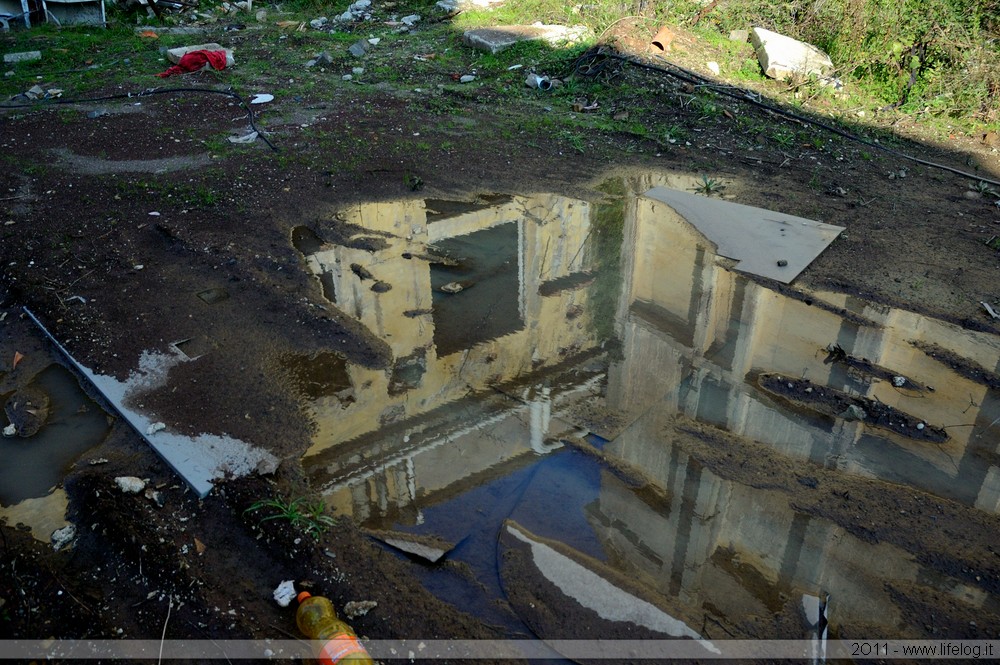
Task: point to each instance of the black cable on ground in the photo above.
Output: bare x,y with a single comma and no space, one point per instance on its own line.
697,79
147,93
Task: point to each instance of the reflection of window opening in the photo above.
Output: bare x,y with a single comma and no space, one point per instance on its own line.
491,304
440,209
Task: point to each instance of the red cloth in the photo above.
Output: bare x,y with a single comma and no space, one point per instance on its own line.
195,60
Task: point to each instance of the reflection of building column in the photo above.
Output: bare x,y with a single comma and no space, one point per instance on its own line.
541,413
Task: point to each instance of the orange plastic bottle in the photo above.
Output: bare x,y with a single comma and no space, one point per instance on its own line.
340,645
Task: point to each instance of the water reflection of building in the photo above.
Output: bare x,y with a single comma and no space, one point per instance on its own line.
523,310
691,332
708,328
740,550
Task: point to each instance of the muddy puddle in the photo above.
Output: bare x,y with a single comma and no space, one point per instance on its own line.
550,355
33,466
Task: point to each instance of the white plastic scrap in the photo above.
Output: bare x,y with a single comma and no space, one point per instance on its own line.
285,593
130,484
62,537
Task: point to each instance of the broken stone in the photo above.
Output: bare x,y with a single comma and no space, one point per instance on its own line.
318,23
452,287
429,548
130,484
358,608
358,48
410,20
467,78
853,412
497,39
63,537
782,57
323,58
23,56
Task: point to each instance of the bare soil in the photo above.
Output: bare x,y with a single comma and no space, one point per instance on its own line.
110,227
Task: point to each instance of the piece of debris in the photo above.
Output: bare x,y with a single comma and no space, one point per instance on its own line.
284,594
18,357
63,537
154,428
467,78
499,38
130,484
262,98
23,56
782,57
27,410
10,430
713,67
318,23
663,39
358,48
321,58
97,461
535,81
199,546
989,310
155,497
452,287
853,412
899,381
381,287
358,608
246,138
429,548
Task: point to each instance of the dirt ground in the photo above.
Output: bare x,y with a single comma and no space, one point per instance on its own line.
110,226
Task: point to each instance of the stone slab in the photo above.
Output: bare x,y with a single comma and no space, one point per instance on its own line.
782,57
499,38
758,239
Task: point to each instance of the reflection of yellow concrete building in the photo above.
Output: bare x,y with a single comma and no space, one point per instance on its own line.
542,239
708,328
705,328
691,331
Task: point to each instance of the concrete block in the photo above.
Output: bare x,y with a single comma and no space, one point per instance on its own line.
782,57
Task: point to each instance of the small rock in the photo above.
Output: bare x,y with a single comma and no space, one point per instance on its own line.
357,49
130,484
62,537
10,430
23,56
713,67
921,426
899,381
154,428
452,287
155,497
284,594
318,23
358,608
739,35
347,77
467,78
854,412
782,263
410,20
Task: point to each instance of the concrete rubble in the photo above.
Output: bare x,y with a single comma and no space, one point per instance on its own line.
782,57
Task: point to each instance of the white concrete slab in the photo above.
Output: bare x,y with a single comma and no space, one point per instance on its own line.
200,459
760,240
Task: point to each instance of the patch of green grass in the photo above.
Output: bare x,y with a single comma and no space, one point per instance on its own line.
709,186
301,513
